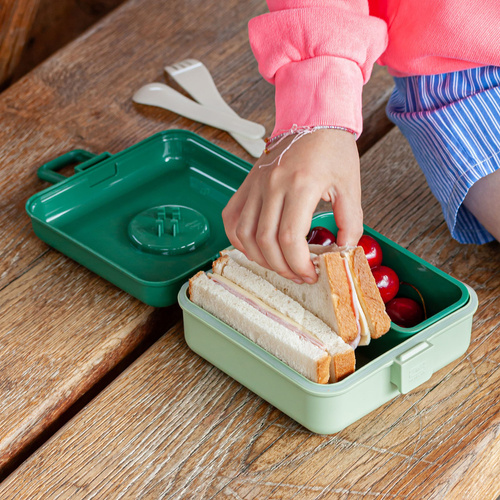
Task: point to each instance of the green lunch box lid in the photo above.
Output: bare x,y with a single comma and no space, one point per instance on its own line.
146,218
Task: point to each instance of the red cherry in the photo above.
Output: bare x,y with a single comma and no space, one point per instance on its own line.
372,250
405,312
320,236
387,281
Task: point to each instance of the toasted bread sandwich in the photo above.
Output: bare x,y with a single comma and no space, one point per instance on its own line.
345,296
274,321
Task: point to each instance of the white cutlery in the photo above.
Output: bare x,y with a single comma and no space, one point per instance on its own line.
194,77
163,96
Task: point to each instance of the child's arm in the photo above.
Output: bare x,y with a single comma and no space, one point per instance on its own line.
318,54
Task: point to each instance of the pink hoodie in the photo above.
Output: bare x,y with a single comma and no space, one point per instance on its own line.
319,53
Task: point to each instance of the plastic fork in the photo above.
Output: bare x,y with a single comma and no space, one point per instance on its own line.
194,77
163,96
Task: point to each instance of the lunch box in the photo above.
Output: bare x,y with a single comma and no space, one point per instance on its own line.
394,364
149,217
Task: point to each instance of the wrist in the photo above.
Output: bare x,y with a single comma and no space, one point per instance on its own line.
316,138
276,138
299,132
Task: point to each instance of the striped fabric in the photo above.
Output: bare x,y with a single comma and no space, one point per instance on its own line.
452,122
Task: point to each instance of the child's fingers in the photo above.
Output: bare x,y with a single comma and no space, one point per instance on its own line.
295,223
247,228
349,219
231,217
267,236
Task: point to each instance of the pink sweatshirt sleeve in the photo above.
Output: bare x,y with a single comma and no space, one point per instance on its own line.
318,54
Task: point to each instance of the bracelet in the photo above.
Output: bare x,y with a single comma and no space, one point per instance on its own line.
271,142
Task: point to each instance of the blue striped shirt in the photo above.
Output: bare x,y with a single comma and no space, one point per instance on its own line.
452,122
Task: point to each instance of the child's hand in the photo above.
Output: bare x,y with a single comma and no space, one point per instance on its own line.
270,215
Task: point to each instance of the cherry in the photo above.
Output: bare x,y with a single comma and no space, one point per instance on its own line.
387,282
405,312
320,236
372,250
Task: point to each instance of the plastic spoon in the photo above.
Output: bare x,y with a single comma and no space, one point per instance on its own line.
194,77
163,96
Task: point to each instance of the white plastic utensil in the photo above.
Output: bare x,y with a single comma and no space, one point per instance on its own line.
163,96
194,77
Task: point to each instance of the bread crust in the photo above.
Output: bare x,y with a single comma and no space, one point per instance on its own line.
192,280
331,367
370,299
341,296
323,370
343,364
314,363
219,264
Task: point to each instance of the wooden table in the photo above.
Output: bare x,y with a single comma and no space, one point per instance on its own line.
101,397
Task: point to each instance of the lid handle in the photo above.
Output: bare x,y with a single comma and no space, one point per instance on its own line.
48,171
412,368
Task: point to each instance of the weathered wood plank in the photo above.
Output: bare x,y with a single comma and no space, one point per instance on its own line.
62,329
54,25
376,93
173,426
16,19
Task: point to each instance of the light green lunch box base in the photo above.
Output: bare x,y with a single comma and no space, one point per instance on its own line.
326,409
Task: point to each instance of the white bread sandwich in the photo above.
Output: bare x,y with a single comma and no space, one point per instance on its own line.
273,321
345,296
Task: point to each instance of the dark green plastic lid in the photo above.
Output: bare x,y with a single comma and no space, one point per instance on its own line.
146,218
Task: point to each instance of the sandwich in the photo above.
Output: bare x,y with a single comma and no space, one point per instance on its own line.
276,322
345,297
312,328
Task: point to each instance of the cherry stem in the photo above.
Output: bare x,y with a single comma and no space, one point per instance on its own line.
419,294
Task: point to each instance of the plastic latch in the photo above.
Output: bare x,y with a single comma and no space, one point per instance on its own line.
92,161
412,368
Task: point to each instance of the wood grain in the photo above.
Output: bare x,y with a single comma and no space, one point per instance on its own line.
62,329
16,19
173,426
376,93
54,25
